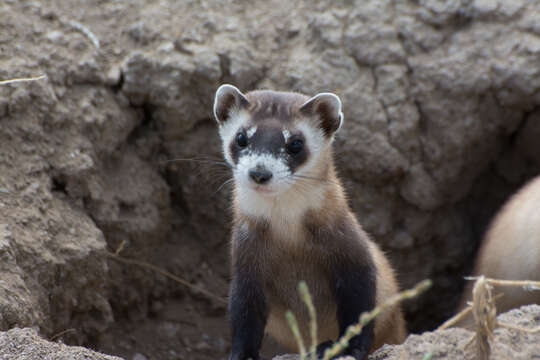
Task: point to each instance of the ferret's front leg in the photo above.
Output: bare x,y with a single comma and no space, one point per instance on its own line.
249,312
355,292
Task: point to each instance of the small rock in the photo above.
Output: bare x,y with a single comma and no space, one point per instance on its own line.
113,76
140,33
56,37
139,356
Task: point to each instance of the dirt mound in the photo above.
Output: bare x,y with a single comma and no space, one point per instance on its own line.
456,343
453,343
441,111
446,344
25,344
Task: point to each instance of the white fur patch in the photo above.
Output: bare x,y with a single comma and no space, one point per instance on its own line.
286,134
251,131
284,211
316,143
290,198
279,169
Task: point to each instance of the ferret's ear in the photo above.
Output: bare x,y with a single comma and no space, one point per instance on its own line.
228,100
327,108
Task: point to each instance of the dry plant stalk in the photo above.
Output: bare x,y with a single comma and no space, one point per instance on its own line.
527,285
485,312
353,330
485,316
456,318
17,80
116,256
85,31
306,297
366,317
61,333
291,319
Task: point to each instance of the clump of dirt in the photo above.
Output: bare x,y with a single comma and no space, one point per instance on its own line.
517,342
508,343
26,344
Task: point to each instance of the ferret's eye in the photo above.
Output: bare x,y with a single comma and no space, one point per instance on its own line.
295,146
241,139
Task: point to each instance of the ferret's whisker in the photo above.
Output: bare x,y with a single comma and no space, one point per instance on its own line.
199,160
228,181
311,178
306,177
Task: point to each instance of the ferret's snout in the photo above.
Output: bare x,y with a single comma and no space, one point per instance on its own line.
260,175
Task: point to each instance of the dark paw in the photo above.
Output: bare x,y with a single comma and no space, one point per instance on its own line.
322,347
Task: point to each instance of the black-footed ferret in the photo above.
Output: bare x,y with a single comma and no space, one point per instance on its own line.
292,223
511,248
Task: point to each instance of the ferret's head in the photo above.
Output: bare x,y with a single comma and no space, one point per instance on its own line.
273,139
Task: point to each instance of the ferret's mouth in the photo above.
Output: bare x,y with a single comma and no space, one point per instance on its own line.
263,189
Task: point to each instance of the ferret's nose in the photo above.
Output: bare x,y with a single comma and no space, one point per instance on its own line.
260,176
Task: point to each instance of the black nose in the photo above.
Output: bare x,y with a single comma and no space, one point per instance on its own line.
260,176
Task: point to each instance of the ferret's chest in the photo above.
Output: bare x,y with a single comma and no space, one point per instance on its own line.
286,266
284,270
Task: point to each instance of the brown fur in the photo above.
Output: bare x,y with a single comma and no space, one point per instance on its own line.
304,231
273,104
283,263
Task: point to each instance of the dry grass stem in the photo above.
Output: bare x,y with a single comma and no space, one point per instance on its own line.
120,248
485,317
353,330
461,315
61,333
17,80
484,312
525,284
513,327
116,256
455,319
293,324
306,297
85,31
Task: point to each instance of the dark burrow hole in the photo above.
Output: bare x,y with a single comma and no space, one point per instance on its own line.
59,184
